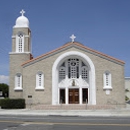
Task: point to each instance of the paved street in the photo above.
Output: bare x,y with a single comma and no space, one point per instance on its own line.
63,123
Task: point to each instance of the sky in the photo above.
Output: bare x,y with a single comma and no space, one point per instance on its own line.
102,25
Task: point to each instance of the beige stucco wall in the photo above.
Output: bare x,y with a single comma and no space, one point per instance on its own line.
15,67
117,95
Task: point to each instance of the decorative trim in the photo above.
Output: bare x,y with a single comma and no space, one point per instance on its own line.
39,88
12,53
14,36
87,60
18,89
107,87
19,27
108,91
26,35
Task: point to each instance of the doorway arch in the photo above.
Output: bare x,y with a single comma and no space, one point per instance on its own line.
55,68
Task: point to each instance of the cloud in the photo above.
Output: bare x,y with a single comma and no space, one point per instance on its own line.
4,79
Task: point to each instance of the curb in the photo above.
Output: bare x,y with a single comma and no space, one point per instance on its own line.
92,113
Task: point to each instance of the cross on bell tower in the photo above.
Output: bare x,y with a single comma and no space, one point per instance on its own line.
22,12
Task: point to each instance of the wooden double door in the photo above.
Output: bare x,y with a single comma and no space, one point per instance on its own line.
73,96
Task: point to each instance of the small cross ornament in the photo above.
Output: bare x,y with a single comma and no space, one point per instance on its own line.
22,12
72,37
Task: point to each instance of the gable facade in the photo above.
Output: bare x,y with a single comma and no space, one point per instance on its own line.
97,66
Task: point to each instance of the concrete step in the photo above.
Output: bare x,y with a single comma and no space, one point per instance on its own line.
69,107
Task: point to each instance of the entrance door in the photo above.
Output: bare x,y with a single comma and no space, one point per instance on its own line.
73,96
85,95
62,96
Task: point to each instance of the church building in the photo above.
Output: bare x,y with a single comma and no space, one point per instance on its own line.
70,74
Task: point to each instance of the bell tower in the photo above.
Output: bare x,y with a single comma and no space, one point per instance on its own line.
21,52
21,35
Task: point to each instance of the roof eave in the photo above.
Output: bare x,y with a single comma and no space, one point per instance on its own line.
75,44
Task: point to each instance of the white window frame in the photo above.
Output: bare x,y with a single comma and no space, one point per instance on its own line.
62,73
39,80
18,44
107,78
84,75
18,82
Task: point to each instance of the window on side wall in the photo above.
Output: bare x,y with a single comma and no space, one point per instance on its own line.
39,81
18,81
107,80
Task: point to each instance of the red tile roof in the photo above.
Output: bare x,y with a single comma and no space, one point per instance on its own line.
75,44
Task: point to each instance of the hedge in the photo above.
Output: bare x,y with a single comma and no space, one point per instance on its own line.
12,103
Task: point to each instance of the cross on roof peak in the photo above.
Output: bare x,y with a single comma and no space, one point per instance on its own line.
22,12
72,37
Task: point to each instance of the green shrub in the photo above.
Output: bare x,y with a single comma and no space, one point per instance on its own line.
0,101
126,98
5,89
12,103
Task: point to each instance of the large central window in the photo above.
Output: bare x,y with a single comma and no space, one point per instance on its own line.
73,68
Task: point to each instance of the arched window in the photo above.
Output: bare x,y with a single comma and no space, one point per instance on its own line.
62,71
18,81
73,68
107,80
84,73
20,43
39,80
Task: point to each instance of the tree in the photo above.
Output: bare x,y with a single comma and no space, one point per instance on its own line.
5,89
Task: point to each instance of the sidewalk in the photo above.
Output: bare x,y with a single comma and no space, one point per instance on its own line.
28,112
